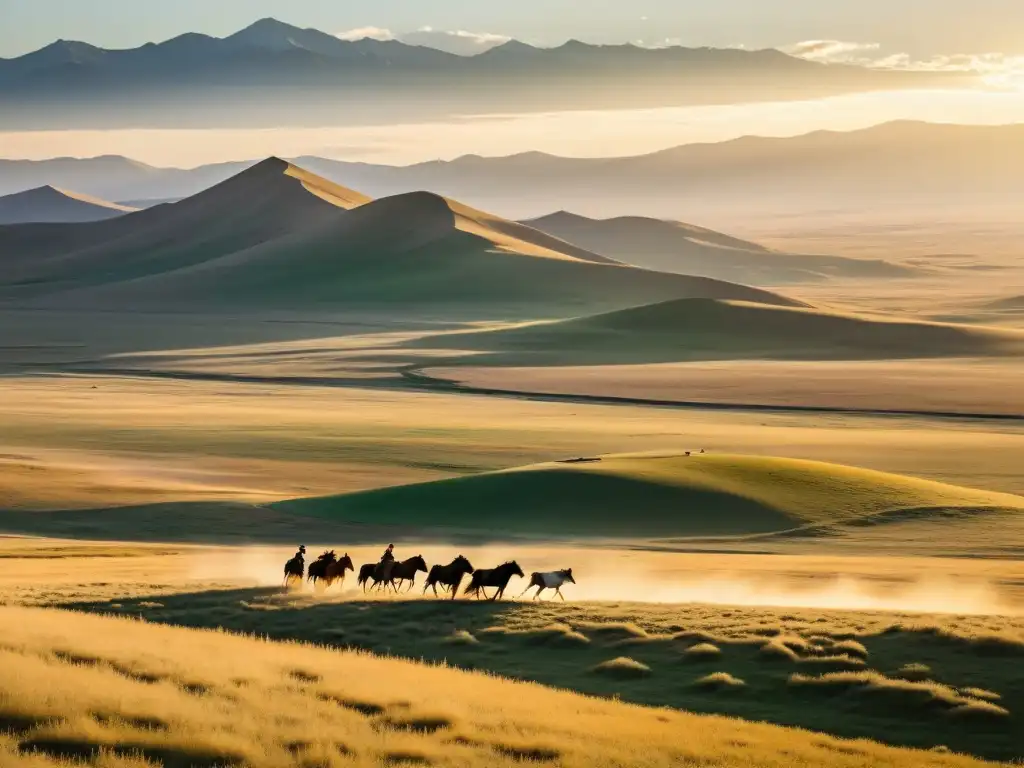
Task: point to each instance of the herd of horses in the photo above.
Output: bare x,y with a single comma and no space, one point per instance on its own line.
329,569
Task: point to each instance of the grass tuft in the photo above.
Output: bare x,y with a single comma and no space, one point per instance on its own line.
702,652
719,681
622,667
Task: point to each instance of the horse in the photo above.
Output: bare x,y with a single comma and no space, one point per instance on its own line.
336,571
318,568
296,567
380,573
494,577
551,580
450,575
406,571
387,572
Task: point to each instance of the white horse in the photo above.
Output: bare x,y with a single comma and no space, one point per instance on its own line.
553,580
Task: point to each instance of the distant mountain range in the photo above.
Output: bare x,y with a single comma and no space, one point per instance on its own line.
878,169
262,74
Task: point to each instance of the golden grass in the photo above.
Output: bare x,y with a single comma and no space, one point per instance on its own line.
116,692
719,681
91,441
702,652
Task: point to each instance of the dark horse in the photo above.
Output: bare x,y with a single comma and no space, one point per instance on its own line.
449,576
318,568
336,571
406,571
296,567
387,572
493,577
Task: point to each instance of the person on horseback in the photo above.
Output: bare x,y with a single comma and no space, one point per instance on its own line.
388,554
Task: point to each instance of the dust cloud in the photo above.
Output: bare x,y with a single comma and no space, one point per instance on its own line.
853,584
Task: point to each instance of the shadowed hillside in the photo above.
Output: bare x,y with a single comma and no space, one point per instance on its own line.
660,496
701,328
671,246
264,202
51,205
277,237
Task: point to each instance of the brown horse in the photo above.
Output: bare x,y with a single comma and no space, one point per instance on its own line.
336,571
318,568
494,577
387,572
295,568
450,575
406,571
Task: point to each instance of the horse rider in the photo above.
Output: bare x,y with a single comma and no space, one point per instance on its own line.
388,554
301,554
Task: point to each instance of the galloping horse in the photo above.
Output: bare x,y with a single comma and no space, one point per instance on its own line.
551,580
494,577
387,572
450,575
336,571
296,567
318,568
406,571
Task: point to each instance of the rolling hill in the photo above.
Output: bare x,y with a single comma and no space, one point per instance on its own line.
278,237
671,246
662,496
264,202
52,205
712,328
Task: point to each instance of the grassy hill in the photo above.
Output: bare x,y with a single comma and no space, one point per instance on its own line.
50,205
659,496
672,246
711,328
107,692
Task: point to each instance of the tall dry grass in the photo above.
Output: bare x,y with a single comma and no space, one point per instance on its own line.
120,693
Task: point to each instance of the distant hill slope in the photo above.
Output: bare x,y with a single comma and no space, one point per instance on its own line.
660,496
671,246
51,205
713,328
278,237
891,167
265,202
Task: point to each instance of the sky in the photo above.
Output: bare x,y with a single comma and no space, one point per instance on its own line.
574,134
919,28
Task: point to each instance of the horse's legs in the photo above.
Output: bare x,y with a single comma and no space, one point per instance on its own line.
558,591
540,588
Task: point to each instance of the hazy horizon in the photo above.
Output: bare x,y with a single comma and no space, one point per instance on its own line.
582,133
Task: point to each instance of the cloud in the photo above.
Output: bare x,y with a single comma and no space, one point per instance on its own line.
361,33
832,51
996,68
459,41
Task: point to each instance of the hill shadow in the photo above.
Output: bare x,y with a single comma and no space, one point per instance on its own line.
819,678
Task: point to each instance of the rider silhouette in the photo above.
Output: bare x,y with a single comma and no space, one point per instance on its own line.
388,554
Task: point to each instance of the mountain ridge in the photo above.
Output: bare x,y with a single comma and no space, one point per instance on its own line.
157,84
